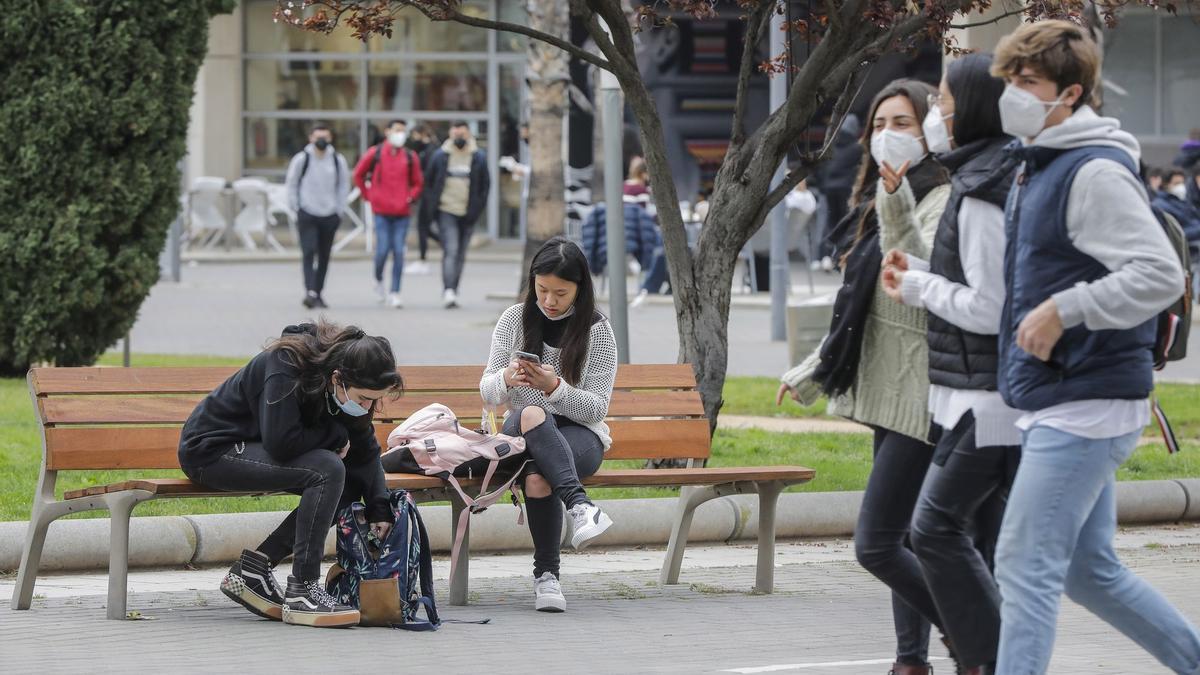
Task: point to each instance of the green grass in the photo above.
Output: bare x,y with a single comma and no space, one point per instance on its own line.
842,461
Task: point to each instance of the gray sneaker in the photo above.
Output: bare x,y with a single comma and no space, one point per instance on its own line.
547,594
589,521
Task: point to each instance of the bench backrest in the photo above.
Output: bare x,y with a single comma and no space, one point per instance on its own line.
130,418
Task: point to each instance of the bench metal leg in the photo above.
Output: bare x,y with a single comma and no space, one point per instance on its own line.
120,508
768,500
689,499
31,557
459,575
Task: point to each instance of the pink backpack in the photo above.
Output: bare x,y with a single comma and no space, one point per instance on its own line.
432,442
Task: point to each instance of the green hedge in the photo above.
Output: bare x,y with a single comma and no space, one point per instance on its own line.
94,120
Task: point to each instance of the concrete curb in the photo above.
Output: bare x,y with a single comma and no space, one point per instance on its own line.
160,541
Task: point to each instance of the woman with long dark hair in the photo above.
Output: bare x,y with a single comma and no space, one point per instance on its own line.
962,287
553,361
873,365
297,418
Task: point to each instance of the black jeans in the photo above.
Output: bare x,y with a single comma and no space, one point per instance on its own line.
316,241
880,538
972,482
455,237
317,476
561,451
424,233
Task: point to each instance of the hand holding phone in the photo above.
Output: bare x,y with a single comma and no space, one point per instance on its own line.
527,356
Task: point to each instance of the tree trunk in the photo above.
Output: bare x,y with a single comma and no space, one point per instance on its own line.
548,79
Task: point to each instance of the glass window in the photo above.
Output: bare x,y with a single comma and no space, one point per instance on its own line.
511,11
413,32
1129,55
445,86
263,34
302,84
1181,75
271,143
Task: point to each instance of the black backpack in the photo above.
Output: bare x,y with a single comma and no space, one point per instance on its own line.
1174,322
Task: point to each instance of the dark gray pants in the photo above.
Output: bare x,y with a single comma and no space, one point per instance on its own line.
318,476
561,451
966,494
455,236
881,538
316,245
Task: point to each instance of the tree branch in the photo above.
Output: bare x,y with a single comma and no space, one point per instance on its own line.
565,45
755,23
986,22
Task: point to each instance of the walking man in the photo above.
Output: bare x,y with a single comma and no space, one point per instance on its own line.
458,189
389,176
318,183
1087,270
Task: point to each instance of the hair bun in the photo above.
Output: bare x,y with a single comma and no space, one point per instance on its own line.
359,334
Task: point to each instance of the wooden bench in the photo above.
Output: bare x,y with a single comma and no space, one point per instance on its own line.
130,419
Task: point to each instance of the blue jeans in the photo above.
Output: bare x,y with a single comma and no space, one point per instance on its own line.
390,235
455,235
1057,536
657,276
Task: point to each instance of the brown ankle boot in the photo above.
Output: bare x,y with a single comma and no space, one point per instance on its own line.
906,669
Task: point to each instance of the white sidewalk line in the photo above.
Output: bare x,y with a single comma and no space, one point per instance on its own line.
827,664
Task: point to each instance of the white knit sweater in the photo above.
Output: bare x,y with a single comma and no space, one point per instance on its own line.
586,403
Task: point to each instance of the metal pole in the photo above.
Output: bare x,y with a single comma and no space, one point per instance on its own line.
125,360
780,272
613,113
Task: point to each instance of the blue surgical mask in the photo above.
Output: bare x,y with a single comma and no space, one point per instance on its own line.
350,407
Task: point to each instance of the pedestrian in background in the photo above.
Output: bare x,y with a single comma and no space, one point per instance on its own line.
389,176
458,185
318,184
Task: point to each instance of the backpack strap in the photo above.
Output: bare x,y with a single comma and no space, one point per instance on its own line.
1164,425
374,162
425,575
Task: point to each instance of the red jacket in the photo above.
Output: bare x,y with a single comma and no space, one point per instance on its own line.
396,181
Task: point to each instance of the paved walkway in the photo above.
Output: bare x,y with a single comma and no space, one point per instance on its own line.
827,616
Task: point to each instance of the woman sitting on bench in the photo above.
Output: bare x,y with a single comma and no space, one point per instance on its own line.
553,362
297,419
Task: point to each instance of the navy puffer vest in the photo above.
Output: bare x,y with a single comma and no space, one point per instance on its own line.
1039,261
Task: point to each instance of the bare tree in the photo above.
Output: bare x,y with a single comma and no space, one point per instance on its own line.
846,38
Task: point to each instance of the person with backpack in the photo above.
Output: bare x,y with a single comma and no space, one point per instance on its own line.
553,362
458,184
1088,268
874,363
297,418
962,288
389,176
318,184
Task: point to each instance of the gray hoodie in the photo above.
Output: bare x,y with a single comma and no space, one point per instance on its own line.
324,188
1109,219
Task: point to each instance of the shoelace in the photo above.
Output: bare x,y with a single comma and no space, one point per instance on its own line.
317,592
550,585
272,584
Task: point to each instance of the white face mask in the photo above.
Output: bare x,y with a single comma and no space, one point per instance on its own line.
1180,191
397,138
896,148
570,312
1022,114
937,137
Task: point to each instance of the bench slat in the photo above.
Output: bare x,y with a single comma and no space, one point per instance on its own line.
201,380
179,487
176,409
78,448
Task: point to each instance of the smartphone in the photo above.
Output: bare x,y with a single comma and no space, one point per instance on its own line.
526,356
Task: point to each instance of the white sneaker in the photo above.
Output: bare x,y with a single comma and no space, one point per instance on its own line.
395,301
417,267
547,594
449,298
827,264
639,298
380,291
815,265
635,268
590,522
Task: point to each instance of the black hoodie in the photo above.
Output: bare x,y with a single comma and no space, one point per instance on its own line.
262,402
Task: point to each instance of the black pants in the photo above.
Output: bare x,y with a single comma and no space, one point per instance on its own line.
325,485
455,236
838,200
880,538
562,451
971,482
316,241
424,233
